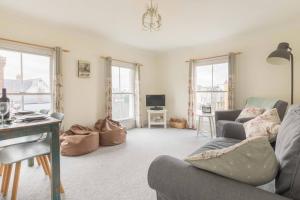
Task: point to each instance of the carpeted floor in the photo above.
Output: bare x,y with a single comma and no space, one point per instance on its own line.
112,173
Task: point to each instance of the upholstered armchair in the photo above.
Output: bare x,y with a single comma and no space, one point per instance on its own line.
227,124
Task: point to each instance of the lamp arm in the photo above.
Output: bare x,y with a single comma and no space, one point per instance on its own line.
292,78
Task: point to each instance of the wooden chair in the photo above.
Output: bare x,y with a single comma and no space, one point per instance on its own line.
13,155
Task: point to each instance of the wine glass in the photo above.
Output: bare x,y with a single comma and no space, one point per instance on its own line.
4,109
16,106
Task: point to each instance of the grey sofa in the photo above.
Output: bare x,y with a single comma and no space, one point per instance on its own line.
227,124
174,179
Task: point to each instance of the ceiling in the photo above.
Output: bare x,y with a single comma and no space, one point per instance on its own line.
185,22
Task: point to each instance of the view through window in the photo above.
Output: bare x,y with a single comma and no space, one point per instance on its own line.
212,86
27,79
122,93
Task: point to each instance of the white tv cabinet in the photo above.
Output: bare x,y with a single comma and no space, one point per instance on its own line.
157,117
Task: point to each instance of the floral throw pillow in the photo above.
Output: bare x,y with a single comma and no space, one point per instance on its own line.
250,112
266,124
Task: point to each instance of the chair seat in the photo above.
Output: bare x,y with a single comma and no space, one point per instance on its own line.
19,152
9,142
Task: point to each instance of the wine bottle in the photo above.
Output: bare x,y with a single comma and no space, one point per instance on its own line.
4,98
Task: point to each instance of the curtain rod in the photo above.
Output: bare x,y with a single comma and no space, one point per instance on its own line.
237,53
31,44
104,57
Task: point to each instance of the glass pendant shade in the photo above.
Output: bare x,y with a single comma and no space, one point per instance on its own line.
151,18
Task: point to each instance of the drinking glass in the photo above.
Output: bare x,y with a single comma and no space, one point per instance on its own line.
16,106
4,109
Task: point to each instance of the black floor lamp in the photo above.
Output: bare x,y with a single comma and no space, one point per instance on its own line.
283,55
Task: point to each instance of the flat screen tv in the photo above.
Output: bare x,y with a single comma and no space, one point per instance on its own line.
155,100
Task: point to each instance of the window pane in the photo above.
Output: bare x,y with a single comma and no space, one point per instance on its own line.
115,79
220,79
15,102
126,80
204,78
220,100
36,73
122,106
37,102
11,65
202,98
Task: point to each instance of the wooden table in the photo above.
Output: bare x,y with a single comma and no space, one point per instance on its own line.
50,125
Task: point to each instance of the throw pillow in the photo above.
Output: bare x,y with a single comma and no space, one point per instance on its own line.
249,113
251,161
266,124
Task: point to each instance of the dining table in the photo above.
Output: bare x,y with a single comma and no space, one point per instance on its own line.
50,126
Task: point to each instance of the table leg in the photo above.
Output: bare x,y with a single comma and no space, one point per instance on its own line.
30,162
55,162
211,127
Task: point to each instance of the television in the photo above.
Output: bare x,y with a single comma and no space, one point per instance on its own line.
155,101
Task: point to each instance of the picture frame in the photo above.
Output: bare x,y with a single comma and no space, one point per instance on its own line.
84,69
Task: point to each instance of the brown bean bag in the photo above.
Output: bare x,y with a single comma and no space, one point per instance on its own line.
110,132
79,140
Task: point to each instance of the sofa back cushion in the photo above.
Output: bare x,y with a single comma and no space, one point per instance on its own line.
287,151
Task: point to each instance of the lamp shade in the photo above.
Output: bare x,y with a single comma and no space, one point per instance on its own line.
281,55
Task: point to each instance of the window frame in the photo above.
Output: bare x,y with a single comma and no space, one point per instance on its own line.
211,91
119,66
22,50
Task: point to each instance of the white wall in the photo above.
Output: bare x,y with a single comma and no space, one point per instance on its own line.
255,77
84,98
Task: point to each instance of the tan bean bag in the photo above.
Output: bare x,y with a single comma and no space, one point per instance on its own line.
110,132
79,140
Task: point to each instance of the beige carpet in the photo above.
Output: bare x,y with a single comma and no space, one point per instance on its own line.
112,173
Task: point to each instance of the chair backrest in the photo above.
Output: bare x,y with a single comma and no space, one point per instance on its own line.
58,116
265,103
287,151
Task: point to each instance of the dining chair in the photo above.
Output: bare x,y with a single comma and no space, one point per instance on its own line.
15,154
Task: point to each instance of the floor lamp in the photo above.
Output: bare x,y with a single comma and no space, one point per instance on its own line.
283,55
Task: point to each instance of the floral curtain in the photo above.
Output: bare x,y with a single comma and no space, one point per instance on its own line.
58,105
108,87
231,80
137,102
191,102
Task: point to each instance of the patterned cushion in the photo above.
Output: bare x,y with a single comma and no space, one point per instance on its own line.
250,112
266,124
251,161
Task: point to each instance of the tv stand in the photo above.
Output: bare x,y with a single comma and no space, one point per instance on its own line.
160,120
157,108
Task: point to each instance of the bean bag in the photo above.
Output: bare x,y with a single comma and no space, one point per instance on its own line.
79,140
110,132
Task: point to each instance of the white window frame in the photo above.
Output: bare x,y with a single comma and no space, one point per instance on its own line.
27,49
120,65
211,62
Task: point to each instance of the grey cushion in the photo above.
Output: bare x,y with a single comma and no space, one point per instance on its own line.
288,154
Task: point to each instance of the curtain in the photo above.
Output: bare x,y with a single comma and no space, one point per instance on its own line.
137,102
231,80
58,103
108,87
191,100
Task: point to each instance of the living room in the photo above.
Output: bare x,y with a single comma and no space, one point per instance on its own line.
85,39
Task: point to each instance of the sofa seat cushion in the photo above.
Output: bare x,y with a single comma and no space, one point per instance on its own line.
288,154
217,143
251,161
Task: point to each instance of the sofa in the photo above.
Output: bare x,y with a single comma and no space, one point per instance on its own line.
175,179
227,124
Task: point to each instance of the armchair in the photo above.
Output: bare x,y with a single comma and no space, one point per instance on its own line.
227,124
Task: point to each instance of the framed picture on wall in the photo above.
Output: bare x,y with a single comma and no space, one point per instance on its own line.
84,69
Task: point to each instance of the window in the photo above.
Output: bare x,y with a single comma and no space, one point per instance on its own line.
27,79
212,86
122,93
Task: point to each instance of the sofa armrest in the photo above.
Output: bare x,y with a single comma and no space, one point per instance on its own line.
178,180
234,130
230,115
